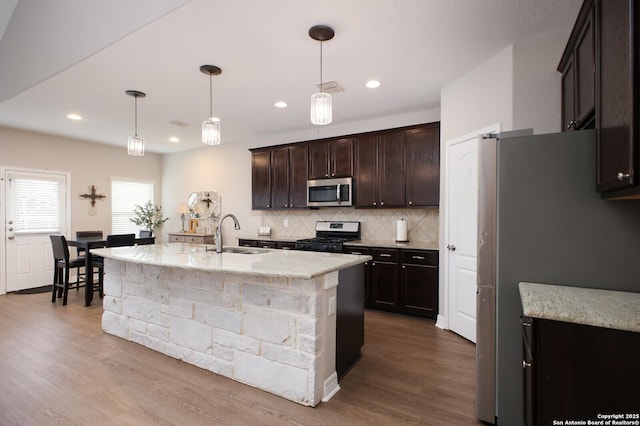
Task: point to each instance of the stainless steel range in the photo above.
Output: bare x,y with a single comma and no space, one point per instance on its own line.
330,236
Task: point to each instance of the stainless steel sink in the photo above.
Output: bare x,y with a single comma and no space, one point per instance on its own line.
243,250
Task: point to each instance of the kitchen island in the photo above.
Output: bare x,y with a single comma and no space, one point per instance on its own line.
266,318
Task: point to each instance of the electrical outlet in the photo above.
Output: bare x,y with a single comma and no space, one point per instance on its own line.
285,223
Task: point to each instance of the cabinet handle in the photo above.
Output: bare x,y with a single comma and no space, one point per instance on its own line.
526,364
404,267
623,176
410,203
268,206
418,257
382,203
374,204
355,252
333,174
286,248
385,255
326,175
571,125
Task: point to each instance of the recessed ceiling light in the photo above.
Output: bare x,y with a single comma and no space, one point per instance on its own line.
174,139
372,84
281,104
74,117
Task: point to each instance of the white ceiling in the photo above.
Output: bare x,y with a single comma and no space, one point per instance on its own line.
64,56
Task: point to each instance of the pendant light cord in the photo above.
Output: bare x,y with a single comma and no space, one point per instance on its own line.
210,95
136,115
321,67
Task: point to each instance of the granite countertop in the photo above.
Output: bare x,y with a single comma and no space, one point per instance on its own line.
600,308
414,245
272,262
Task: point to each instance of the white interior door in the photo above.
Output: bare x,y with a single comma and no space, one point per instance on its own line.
36,206
462,212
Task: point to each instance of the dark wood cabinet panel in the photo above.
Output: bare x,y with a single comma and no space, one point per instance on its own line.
280,178
420,290
366,172
575,371
331,159
391,172
261,180
319,160
578,68
298,167
422,162
384,285
341,157
618,82
368,296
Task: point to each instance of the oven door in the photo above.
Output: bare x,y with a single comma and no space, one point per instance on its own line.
329,192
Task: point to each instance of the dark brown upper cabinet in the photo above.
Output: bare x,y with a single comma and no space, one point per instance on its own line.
422,160
379,170
331,159
618,106
261,179
578,68
279,178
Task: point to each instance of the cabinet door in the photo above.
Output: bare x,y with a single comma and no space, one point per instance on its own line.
368,297
568,122
366,171
420,290
585,68
341,158
261,180
298,167
280,178
391,171
422,157
384,285
617,135
319,160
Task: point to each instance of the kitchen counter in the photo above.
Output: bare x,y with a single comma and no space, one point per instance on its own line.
600,308
271,263
287,322
413,245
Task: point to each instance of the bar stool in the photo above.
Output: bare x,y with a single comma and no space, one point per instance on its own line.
62,266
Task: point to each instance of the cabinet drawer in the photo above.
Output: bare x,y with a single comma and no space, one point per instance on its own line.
357,250
385,255
194,239
247,243
285,245
267,244
176,239
420,257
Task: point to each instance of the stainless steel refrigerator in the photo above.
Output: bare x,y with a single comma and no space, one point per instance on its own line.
540,220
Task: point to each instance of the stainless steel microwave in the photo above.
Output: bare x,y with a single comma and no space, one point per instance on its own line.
329,192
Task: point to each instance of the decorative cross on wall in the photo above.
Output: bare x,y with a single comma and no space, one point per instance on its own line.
93,196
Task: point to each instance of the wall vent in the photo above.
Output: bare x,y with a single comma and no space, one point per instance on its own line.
330,87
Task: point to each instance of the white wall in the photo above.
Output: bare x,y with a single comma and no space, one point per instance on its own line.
88,163
517,88
227,169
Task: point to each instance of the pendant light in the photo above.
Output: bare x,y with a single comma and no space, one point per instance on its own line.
135,145
321,102
211,127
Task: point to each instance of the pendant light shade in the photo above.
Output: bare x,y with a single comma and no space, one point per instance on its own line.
211,127
135,144
321,108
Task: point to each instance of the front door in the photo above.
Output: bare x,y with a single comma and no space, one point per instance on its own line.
35,206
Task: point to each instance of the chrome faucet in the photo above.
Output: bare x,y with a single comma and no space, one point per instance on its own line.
218,236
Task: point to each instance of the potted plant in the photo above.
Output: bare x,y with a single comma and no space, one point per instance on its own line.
148,217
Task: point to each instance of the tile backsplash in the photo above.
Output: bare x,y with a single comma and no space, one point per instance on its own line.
376,224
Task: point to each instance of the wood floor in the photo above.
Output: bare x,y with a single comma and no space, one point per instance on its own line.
58,367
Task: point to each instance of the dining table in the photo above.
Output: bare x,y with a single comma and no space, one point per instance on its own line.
89,243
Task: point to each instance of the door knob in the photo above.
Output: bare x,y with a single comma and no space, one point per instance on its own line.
11,237
451,247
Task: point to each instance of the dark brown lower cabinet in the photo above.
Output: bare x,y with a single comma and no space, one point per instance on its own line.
401,281
419,283
384,279
579,372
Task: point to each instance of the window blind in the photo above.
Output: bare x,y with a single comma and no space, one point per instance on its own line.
36,204
125,196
